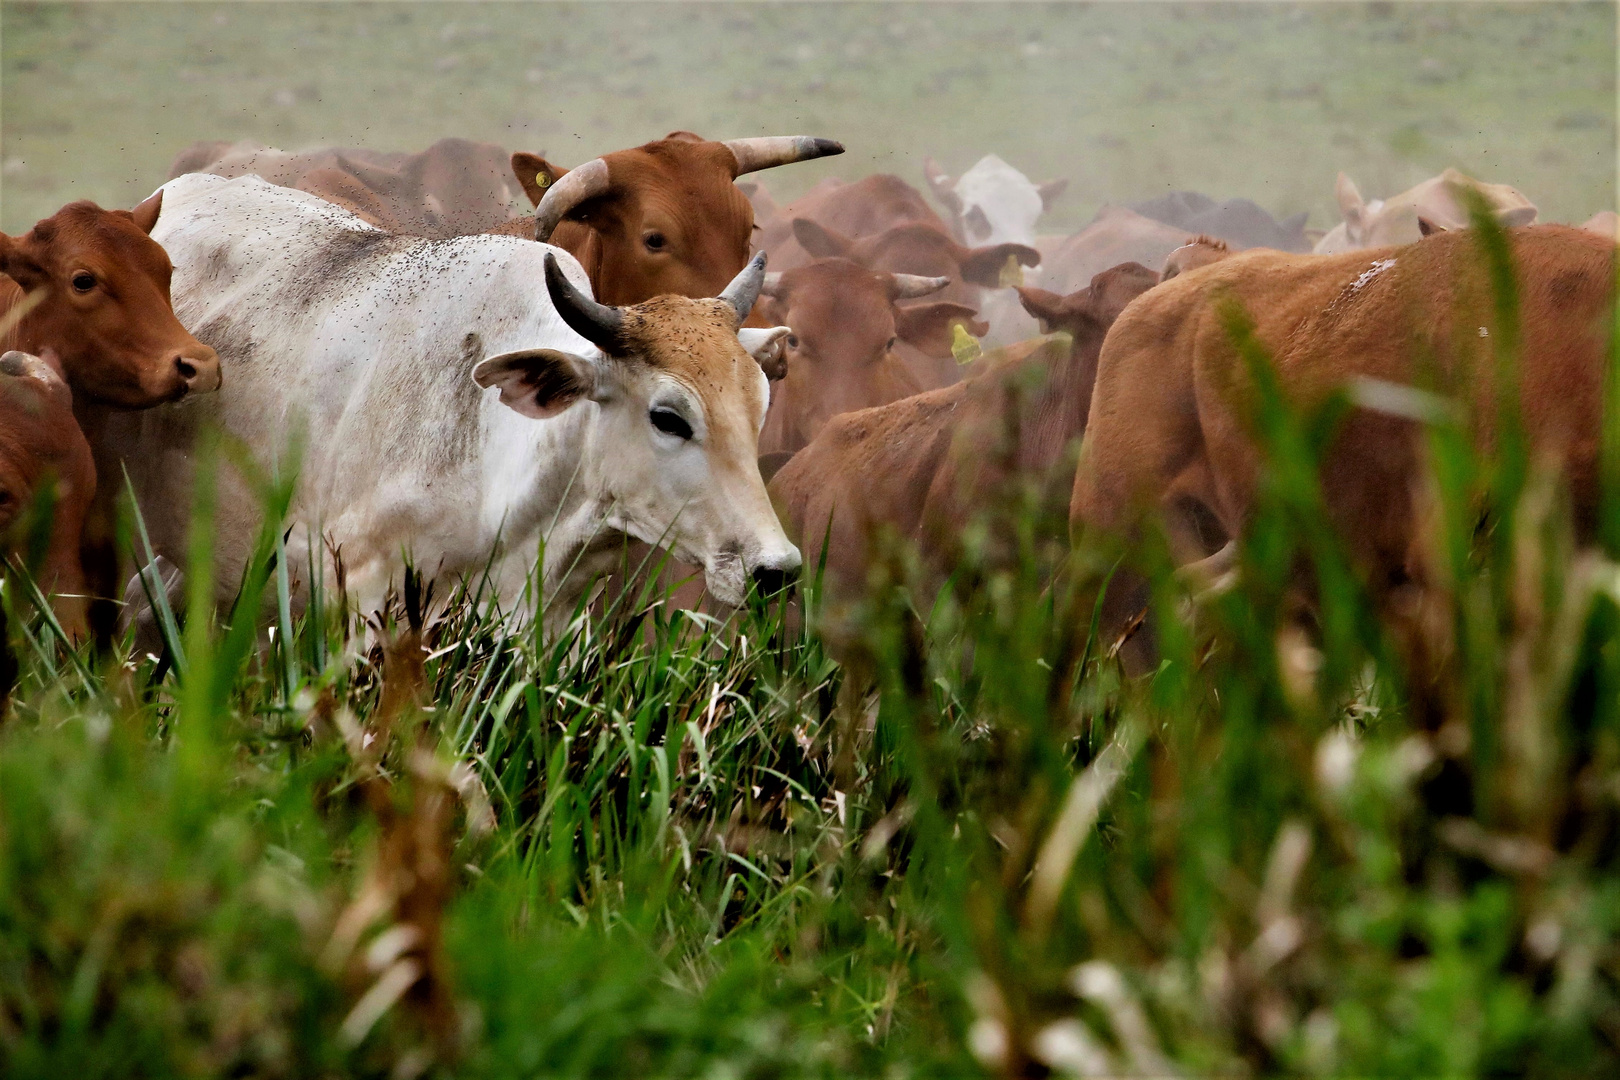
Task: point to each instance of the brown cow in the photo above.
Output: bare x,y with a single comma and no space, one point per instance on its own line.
1166,421
846,326
452,188
104,316
926,465
926,250
867,207
41,446
664,218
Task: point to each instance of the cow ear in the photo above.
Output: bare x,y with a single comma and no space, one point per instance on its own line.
928,326
17,264
1429,228
1344,189
767,345
146,214
1516,216
1051,190
1043,305
538,383
983,265
535,173
820,241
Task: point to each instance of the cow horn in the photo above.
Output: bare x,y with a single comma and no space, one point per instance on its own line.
575,186
911,286
744,288
597,323
769,151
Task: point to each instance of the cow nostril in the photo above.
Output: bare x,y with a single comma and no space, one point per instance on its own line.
770,580
187,369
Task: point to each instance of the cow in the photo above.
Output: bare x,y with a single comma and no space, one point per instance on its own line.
453,187
925,250
664,218
1437,204
1198,251
926,466
42,448
845,327
1116,235
1167,430
464,402
88,290
866,207
1239,222
992,203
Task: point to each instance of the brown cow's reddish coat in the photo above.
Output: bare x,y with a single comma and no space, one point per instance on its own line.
42,446
926,465
104,318
869,206
1165,420
846,329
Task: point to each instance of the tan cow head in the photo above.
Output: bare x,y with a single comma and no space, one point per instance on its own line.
106,313
681,396
845,324
660,219
1436,205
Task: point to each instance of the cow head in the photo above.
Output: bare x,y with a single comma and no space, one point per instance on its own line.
660,219
992,202
1087,314
916,247
105,310
682,396
1436,205
844,326
1196,252
41,446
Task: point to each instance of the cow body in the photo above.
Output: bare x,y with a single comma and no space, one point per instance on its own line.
1116,235
366,342
924,467
1239,222
1166,421
453,187
42,446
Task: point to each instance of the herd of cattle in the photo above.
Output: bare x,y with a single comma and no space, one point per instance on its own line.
489,359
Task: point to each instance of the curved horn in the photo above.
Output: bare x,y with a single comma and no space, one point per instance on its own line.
772,284
576,185
769,151
598,324
911,286
744,288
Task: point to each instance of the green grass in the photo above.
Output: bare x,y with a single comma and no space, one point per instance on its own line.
1269,101
659,846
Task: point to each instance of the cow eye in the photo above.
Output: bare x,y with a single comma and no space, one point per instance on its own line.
793,341
83,281
670,422
655,241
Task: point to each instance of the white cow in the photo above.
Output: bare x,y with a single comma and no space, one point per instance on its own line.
1435,205
461,398
994,203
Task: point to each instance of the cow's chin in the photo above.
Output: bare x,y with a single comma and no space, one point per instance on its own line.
726,579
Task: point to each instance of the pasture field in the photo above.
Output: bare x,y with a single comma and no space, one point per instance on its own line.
439,843
656,846
1267,101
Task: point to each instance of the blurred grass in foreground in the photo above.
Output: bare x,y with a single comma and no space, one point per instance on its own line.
658,846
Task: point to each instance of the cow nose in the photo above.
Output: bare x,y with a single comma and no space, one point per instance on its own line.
770,580
198,369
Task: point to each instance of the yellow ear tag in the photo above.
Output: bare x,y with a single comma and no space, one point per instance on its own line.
964,346
542,181
1011,274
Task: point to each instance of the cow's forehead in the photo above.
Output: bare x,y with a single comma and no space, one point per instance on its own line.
82,229
693,340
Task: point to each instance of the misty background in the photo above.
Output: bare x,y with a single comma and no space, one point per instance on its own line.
1126,100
